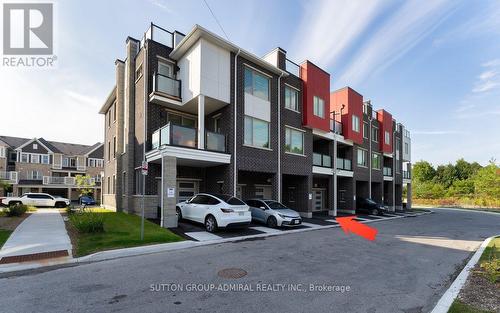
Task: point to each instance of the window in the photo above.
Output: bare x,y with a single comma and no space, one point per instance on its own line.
114,184
355,123
217,128
109,150
375,134
256,84
108,185
35,158
35,146
35,175
387,138
45,159
124,177
72,162
165,69
376,161
398,144
109,118
181,120
319,107
24,157
256,132
291,99
2,152
365,130
138,72
294,141
406,148
65,162
114,112
114,147
362,158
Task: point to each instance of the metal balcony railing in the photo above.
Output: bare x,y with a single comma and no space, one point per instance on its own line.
62,180
167,85
344,164
322,160
387,171
336,127
158,34
9,177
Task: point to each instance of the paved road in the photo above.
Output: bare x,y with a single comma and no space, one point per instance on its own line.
406,269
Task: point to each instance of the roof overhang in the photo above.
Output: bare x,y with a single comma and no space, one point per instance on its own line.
199,32
109,101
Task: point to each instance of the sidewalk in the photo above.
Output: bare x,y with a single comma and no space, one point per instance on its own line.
42,232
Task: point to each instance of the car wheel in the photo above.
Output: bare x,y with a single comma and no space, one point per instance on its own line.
211,224
375,212
13,203
60,205
272,222
179,214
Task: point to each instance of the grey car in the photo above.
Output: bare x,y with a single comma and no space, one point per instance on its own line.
273,213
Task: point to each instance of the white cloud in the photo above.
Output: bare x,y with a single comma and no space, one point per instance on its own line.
401,32
488,79
329,28
162,5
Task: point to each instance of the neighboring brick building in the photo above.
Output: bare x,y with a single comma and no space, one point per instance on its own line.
38,165
209,116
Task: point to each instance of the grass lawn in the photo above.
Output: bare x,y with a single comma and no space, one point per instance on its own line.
489,252
121,230
459,307
4,235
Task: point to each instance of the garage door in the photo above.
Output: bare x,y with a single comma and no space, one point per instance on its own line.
186,189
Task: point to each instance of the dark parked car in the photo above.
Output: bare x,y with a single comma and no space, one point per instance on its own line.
88,200
369,206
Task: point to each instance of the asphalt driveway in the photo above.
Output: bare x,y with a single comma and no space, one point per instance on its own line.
406,269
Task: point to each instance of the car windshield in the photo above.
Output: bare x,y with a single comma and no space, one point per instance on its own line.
275,205
229,199
371,201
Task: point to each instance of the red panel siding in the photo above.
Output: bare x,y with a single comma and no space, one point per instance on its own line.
353,105
316,83
385,120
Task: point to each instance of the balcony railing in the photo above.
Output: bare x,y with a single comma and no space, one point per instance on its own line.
215,142
63,180
387,171
9,177
344,164
336,127
292,67
322,160
406,175
167,85
159,35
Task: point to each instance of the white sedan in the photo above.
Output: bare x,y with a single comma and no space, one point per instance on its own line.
37,199
215,211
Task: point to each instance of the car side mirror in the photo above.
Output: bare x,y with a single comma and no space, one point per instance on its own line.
263,208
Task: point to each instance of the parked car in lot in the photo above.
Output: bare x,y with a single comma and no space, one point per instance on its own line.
87,200
215,211
37,199
273,213
369,206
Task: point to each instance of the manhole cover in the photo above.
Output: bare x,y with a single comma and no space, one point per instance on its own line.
232,273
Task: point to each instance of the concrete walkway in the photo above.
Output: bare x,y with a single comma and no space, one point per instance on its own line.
42,231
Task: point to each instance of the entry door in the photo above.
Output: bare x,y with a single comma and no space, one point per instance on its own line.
263,192
186,189
318,199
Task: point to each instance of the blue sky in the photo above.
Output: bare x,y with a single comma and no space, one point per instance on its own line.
435,65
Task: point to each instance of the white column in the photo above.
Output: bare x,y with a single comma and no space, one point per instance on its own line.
201,122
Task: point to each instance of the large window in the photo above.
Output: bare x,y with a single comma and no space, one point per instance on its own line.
291,99
355,123
35,158
362,158
165,69
387,138
24,157
375,134
376,161
45,159
256,132
365,130
256,84
319,107
294,141
181,120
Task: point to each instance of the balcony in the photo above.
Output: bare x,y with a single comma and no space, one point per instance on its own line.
336,127
182,136
62,181
9,177
167,86
406,175
344,164
387,171
322,160
292,67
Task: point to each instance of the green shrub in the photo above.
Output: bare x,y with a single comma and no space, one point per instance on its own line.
87,221
17,210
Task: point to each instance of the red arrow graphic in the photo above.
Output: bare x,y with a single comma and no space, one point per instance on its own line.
349,225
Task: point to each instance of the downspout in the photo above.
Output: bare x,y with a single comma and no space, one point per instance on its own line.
334,167
235,117
394,169
279,137
370,118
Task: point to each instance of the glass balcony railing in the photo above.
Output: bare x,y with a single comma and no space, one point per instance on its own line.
167,85
215,142
387,171
336,127
322,160
406,175
292,67
344,164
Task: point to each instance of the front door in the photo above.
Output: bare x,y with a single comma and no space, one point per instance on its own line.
318,199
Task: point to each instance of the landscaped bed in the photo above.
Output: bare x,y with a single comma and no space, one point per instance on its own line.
481,292
121,230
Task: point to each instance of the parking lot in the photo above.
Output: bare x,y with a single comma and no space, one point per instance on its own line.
194,231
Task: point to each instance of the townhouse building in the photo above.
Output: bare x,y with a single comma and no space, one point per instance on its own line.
208,116
39,165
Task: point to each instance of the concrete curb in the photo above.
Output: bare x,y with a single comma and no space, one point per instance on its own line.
449,296
159,248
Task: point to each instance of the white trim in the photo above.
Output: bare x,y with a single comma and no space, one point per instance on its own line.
345,173
98,146
292,87
154,96
322,170
298,129
263,73
296,154
189,154
255,147
30,141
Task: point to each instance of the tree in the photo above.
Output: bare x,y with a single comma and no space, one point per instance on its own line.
423,171
461,188
487,181
445,175
465,170
85,184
